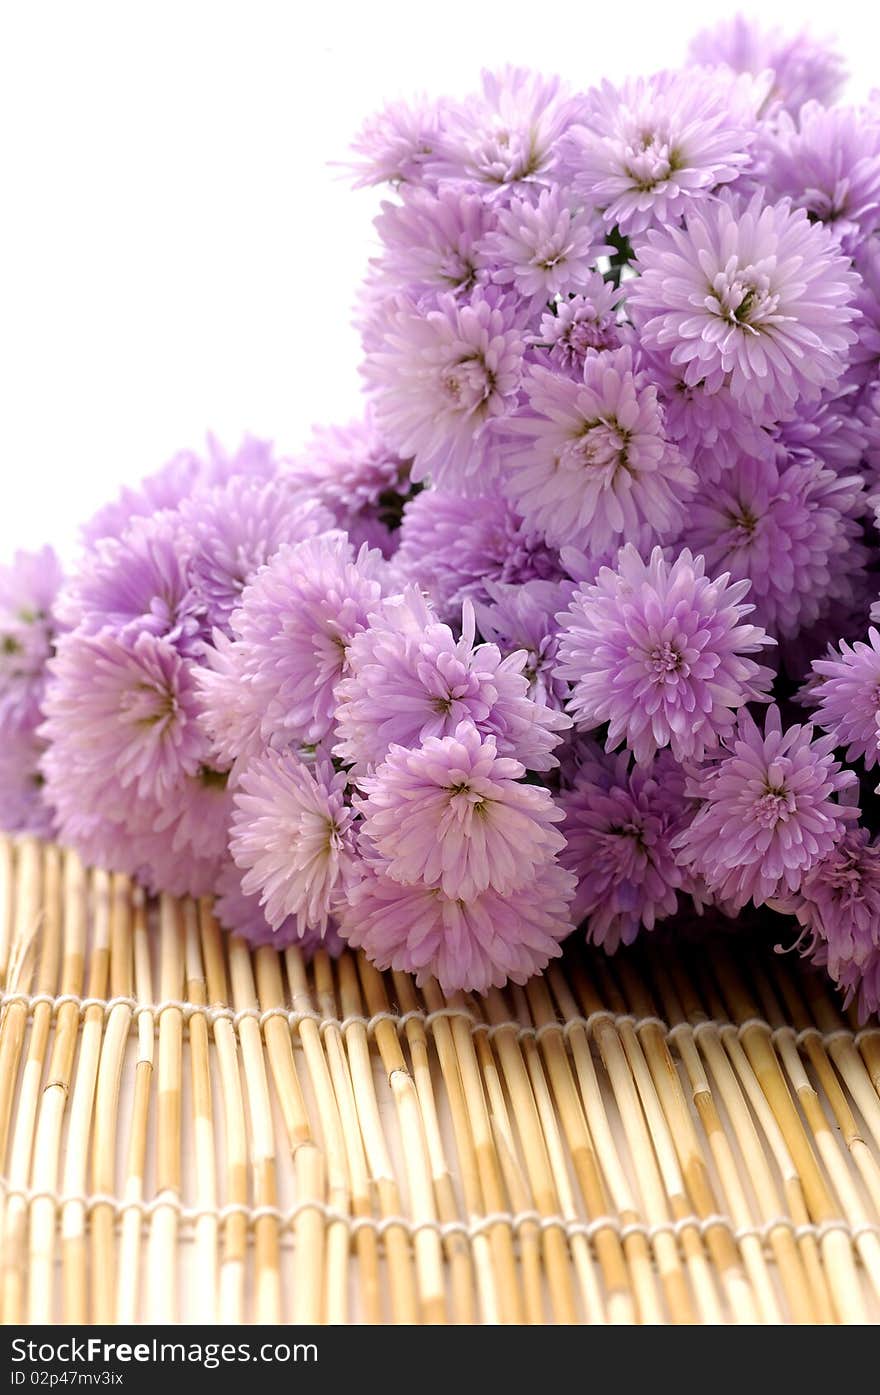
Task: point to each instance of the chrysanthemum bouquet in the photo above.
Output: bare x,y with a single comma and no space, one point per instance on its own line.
570,634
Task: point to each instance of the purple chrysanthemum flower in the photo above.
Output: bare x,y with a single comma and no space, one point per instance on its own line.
711,429
543,247
455,547
838,905
443,377
748,299
140,581
125,707
523,617
169,486
590,463
619,825
28,588
788,527
837,430
291,835
584,322
243,915
768,810
409,679
865,353
828,163
396,144
506,135
352,472
471,945
230,531
292,632
847,695
23,804
455,815
658,651
432,241
645,152
803,68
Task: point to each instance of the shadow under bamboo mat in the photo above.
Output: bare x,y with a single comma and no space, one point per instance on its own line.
191,1131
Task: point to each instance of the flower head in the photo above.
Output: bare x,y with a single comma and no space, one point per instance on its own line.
619,826
471,945
432,241
457,547
28,588
838,905
543,247
768,810
523,617
441,380
645,152
396,145
803,68
292,634
409,679
657,650
24,807
847,695
750,299
789,528
291,835
571,328
243,915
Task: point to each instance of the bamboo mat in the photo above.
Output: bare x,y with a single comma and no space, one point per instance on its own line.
193,1132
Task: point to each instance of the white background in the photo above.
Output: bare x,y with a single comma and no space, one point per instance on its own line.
175,252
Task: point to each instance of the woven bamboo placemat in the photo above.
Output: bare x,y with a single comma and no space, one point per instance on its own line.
193,1132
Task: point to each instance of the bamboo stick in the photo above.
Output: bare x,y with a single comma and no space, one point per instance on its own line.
487,1278
426,1242
53,1102
14,1232
267,1257
74,1265
398,1251
235,1155
131,1227
307,1160
335,1297
206,1239
455,1246
164,1220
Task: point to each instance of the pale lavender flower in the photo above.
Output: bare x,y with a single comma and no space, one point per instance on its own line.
585,321
396,144
658,651
865,353
453,814
788,527
544,247
28,588
590,462
409,678
647,151
768,810
170,485
292,635
619,825
838,430
828,163
711,429
470,945
749,299
23,805
140,581
847,695
804,68
432,241
506,135
523,617
352,472
456,547
291,834
442,378
230,531
838,906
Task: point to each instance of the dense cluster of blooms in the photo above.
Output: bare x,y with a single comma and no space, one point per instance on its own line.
572,630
